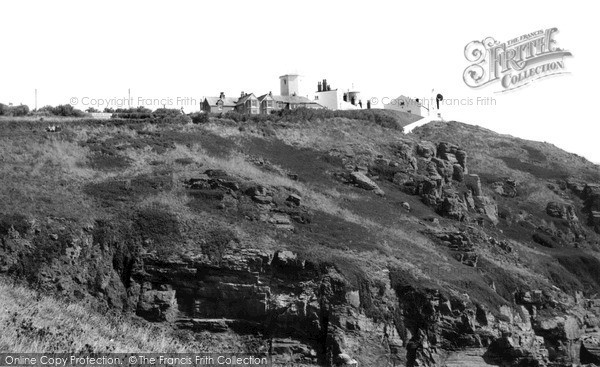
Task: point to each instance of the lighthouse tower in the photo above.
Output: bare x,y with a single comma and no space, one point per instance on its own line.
289,85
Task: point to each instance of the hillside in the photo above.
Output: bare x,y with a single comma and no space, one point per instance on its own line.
323,241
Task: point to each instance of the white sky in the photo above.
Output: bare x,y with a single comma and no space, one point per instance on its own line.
185,49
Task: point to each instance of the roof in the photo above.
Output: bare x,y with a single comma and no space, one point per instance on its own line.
261,98
293,99
327,91
227,101
245,98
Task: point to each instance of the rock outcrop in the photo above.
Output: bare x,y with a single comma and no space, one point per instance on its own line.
562,211
439,175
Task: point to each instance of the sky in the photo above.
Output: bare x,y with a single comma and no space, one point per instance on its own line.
92,53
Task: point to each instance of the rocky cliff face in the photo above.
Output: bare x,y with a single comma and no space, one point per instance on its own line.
303,312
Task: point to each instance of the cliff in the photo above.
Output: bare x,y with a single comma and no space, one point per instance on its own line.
334,242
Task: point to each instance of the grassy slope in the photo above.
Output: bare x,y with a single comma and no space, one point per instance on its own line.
34,323
90,171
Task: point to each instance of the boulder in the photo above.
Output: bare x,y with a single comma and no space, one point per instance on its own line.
560,210
280,219
426,149
256,191
444,147
345,360
361,180
506,188
155,305
294,199
453,207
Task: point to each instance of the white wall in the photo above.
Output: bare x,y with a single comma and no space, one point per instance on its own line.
334,100
410,105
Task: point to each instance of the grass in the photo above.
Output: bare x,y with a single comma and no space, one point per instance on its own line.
35,323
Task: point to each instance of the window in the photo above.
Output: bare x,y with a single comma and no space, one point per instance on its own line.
269,104
254,103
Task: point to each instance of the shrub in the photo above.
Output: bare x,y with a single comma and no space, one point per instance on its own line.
170,119
310,114
20,110
167,112
62,110
132,113
200,117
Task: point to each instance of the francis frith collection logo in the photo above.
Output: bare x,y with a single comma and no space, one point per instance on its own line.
514,63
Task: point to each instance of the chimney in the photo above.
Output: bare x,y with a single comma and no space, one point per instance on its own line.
318,86
328,87
222,95
324,84
242,94
270,93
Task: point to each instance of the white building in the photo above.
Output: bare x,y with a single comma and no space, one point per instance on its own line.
407,104
426,106
337,99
